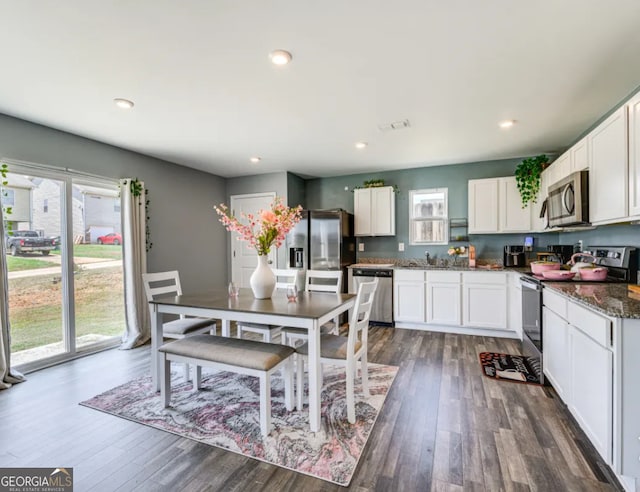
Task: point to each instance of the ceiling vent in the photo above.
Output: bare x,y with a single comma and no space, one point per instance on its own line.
395,125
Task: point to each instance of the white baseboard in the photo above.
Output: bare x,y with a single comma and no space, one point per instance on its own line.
460,330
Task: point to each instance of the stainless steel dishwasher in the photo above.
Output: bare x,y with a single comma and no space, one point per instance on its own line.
382,309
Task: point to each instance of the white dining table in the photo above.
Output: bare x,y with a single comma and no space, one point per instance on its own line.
310,311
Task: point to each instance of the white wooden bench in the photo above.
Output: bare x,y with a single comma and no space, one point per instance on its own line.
242,356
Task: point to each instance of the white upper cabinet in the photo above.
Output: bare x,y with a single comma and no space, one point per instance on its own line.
561,167
634,156
513,218
495,206
483,206
375,211
608,172
580,155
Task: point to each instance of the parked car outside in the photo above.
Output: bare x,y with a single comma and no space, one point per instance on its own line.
20,242
111,238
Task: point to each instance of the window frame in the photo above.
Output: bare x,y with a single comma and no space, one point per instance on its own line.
433,218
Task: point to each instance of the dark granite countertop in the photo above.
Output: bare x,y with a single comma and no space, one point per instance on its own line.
611,299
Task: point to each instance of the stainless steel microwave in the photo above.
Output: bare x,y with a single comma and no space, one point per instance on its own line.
568,200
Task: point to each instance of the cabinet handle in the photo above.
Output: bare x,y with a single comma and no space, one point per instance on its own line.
611,337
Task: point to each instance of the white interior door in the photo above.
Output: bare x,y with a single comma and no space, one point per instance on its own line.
243,259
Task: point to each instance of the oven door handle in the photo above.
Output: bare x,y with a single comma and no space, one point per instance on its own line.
530,284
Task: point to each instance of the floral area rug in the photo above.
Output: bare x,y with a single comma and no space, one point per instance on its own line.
226,413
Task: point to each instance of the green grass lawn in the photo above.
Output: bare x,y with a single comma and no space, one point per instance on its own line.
35,307
109,251
105,251
18,263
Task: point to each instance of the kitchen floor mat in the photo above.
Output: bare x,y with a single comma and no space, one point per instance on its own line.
507,367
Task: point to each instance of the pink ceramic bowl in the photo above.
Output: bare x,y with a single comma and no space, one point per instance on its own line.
558,274
537,267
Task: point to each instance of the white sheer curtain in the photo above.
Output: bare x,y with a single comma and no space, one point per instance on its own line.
7,375
138,329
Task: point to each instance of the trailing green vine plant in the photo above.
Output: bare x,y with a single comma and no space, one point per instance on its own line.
137,190
374,183
528,177
4,171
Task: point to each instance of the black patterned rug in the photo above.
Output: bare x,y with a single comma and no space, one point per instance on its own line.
507,367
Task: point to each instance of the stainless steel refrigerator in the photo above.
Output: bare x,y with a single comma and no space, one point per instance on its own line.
322,240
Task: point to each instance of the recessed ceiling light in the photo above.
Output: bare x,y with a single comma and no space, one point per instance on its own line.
361,145
507,123
255,160
280,57
123,103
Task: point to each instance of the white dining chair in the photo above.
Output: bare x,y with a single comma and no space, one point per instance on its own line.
168,283
284,278
316,281
345,351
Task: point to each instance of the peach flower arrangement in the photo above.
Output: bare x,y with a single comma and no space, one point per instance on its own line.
266,229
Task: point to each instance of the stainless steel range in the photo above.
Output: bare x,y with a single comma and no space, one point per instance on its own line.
622,265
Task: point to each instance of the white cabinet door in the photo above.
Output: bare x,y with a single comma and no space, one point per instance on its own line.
484,300
557,354
408,295
513,218
362,211
580,156
562,166
634,156
383,211
539,224
408,301
608,174
443,303
374,211
483,206
592,390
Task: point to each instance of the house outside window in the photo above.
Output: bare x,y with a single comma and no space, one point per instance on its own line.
8,197
428,216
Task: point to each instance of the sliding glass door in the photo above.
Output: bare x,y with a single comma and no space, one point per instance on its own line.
64,257
36,307
97,264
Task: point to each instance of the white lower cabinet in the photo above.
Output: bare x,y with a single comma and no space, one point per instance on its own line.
460,302
443,298
409,296
484,300
591,401
578,360
557,353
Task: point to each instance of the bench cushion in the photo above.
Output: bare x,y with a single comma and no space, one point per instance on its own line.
187,325
331,347
232,351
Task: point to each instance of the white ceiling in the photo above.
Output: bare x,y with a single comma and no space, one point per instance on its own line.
206,95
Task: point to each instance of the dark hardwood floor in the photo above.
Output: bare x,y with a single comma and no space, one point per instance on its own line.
443,427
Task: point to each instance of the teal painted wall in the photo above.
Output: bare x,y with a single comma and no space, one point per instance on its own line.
296,190
180,199
331,193
611,235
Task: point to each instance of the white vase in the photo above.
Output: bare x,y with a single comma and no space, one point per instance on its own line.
262,280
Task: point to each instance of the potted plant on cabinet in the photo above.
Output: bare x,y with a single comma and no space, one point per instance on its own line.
528,177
